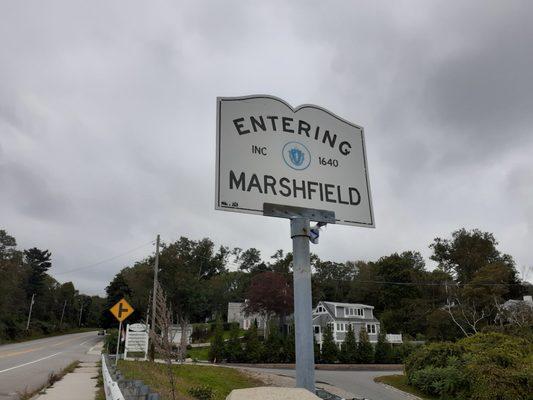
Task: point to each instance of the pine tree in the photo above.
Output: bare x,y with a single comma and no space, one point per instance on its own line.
365,352
290,347
382,353
330,351
348,352
233,346
217,350
253,348
316,349
274,344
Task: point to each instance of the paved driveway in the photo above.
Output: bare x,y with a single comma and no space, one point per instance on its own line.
360,383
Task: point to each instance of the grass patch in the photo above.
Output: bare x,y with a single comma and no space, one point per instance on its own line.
221,379
400,382
100,393
199,353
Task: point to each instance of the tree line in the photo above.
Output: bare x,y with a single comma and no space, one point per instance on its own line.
57,307
460,297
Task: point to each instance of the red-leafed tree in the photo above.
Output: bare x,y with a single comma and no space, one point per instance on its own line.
270,293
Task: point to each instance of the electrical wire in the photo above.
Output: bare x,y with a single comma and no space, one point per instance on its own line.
104,260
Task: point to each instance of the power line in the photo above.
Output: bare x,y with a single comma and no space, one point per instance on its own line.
438,283
105,260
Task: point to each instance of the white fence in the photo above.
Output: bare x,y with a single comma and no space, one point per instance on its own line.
111,389
394,338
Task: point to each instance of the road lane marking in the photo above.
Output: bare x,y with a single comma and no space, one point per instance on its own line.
31,362
16,353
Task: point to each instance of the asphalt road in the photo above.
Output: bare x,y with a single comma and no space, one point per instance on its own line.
26,366
360,383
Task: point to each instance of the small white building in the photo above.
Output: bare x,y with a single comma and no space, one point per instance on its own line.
236,313
177,333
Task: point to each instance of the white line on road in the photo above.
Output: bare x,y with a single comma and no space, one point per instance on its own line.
31,362
82,343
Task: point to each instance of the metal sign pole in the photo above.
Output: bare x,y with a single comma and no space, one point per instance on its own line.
305,357
118,342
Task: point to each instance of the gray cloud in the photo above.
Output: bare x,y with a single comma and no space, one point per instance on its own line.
107,119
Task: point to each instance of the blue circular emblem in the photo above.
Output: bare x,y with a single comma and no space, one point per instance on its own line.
296,155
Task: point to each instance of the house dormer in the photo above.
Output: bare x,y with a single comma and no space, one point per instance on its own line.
320,309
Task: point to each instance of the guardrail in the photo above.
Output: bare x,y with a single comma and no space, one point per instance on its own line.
118,388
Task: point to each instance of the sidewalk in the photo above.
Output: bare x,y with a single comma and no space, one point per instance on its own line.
80,384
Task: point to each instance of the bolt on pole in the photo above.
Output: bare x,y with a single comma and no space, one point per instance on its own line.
305,357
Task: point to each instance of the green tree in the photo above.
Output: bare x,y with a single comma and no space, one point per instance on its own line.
329,352
382,351
217,349
275,344
253,348
233,345
290,346
348,353
467,252
39,263
365,352
117,289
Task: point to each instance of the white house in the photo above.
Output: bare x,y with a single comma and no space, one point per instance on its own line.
342,315
236,313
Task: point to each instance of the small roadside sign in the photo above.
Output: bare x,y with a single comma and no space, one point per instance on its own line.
121,310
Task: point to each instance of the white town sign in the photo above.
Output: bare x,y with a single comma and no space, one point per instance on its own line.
307,157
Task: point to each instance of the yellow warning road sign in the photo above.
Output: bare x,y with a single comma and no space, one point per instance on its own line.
121,310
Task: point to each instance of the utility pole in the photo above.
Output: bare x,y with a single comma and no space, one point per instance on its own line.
81,311
154,290
31,308
62,314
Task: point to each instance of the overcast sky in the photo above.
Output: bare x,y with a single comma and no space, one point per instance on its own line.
107,120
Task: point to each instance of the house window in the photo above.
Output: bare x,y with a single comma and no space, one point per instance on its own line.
360,312
320,309
371,328
317,329
350,311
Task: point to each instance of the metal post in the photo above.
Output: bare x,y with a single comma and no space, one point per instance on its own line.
154,292
29,314
62,314
118,341
305,357
81,311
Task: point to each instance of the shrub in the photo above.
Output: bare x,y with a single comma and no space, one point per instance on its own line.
329,352
382,351
253,348
489,366
275,345
110,343
201,392
289,347
233,349
432,355
365,351
216,351
348,352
